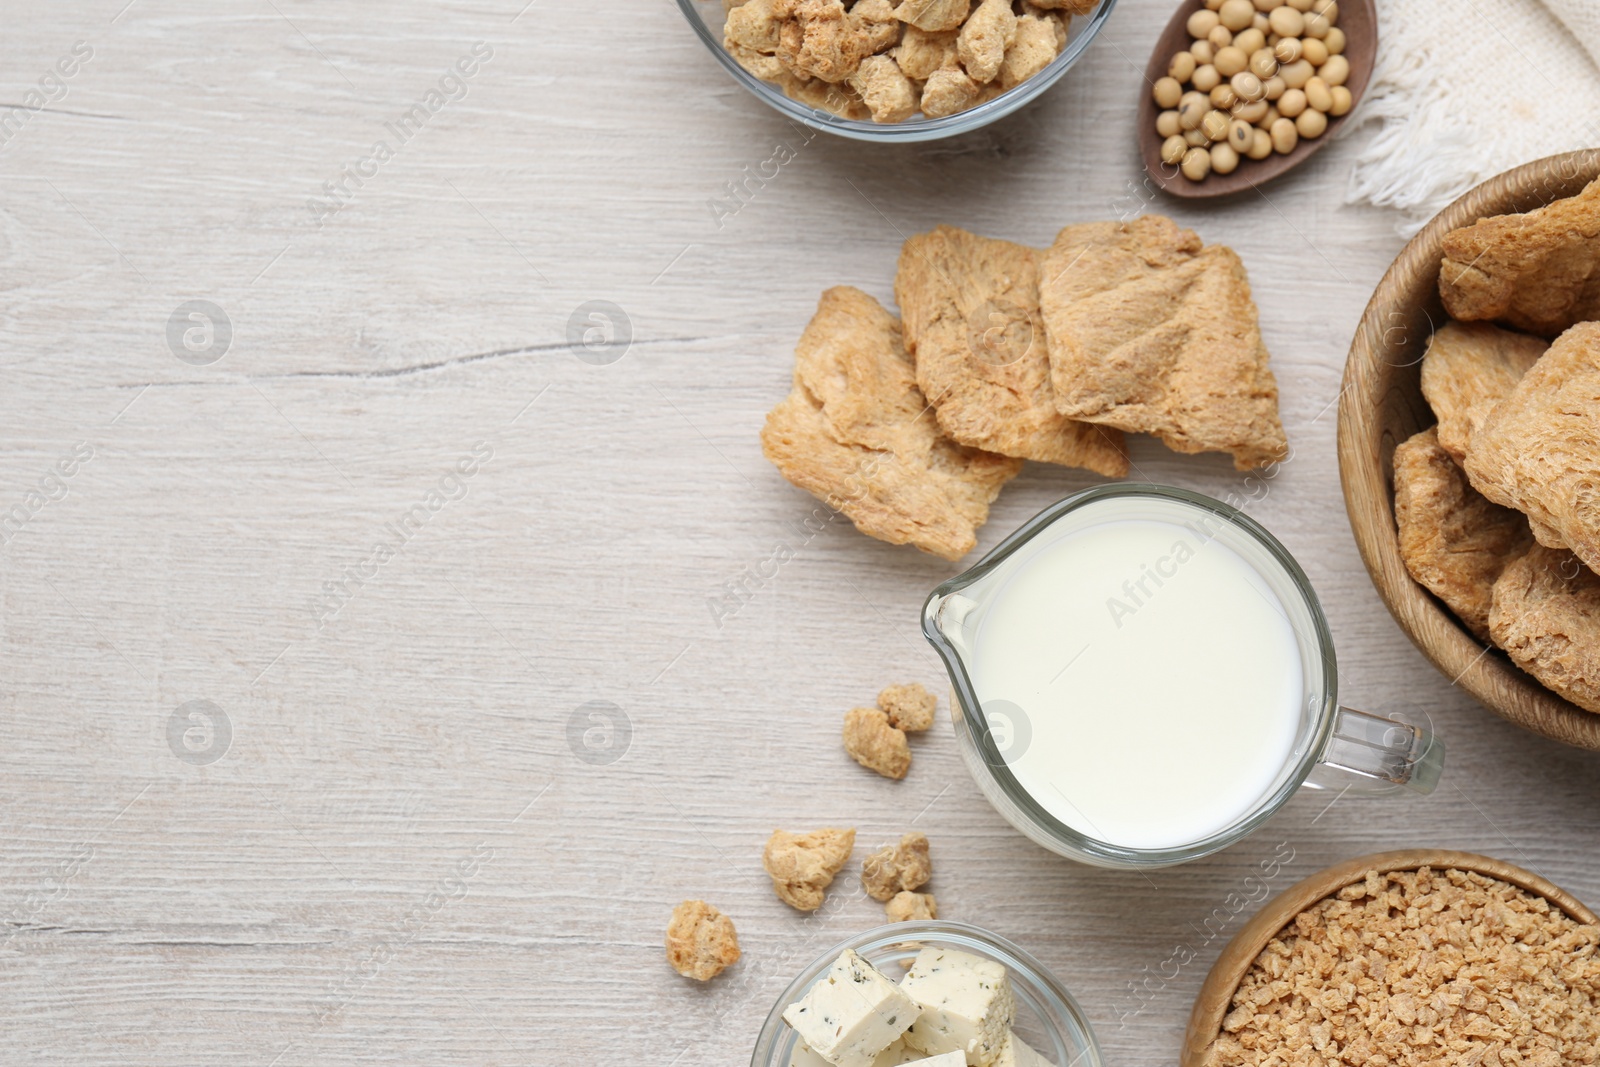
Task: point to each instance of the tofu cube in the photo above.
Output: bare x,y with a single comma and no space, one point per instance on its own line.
967,1005
1014,1052
852,1013
802,1056
944,1059
896,1054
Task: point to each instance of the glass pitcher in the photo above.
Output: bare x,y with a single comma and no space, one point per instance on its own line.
1176,717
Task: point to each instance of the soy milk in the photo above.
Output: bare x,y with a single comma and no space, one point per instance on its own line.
1143,678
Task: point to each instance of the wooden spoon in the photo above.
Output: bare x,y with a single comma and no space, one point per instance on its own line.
1216,995
1358,20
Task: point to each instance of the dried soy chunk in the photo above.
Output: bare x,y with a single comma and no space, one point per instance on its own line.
981,45
884,89
701,941
802,866
896,868
820,41
1038,42
934,14
876,745
921,52
906,906
909,707
947,91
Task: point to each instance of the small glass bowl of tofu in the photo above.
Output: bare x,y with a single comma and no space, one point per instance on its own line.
926,992
840,111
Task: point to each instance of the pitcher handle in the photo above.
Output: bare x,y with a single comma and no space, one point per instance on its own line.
1383,752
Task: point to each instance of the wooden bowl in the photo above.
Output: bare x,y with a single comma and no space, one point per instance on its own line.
1211,1005
1357,18
1382,405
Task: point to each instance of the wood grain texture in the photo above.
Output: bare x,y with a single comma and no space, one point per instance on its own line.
360,877
1359,20
1216,994
1382,405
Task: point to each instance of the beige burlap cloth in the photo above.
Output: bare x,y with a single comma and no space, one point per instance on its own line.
1465,89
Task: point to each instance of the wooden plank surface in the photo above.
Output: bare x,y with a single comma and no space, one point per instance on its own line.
398,854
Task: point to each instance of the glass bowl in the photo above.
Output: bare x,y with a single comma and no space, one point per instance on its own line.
706,16
1048,1019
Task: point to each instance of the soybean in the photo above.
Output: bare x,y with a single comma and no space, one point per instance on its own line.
1336,71
1317,25
1196,164
1274,87
1287,22
1231,61
1203,22
1296,74
1284,136
1167,124
1215,125
1343,101
1311,123
1182,66
1167,92
1319,95
1252,112
1237,14
1262,148
1241,135
1250,41
1195,138
1224,160
1221,37
1247,86
1263,64
1173,149
1316,52
1287,50
1292,102
1335,41
1223,97
1203,52
1191,109
1206,78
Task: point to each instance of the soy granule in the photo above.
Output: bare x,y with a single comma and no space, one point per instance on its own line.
1420,967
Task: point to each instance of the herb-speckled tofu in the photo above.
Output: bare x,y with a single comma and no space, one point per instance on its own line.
852,1013
967,1005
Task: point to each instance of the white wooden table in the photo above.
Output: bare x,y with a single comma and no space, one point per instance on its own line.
388,848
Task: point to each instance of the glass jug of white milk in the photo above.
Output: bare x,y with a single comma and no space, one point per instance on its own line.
1143,676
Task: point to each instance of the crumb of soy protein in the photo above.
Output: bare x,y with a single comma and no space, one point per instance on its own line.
909,707
802,866
985,38
701,942
885,89
896,868
903,907
875,744
1414,968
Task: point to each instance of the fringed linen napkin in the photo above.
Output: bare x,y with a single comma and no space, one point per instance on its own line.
1465,89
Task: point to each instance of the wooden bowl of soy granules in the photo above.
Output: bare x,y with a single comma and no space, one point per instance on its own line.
1406,958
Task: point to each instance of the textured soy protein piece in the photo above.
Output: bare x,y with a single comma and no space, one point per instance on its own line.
970,306
1467,370
1453,540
